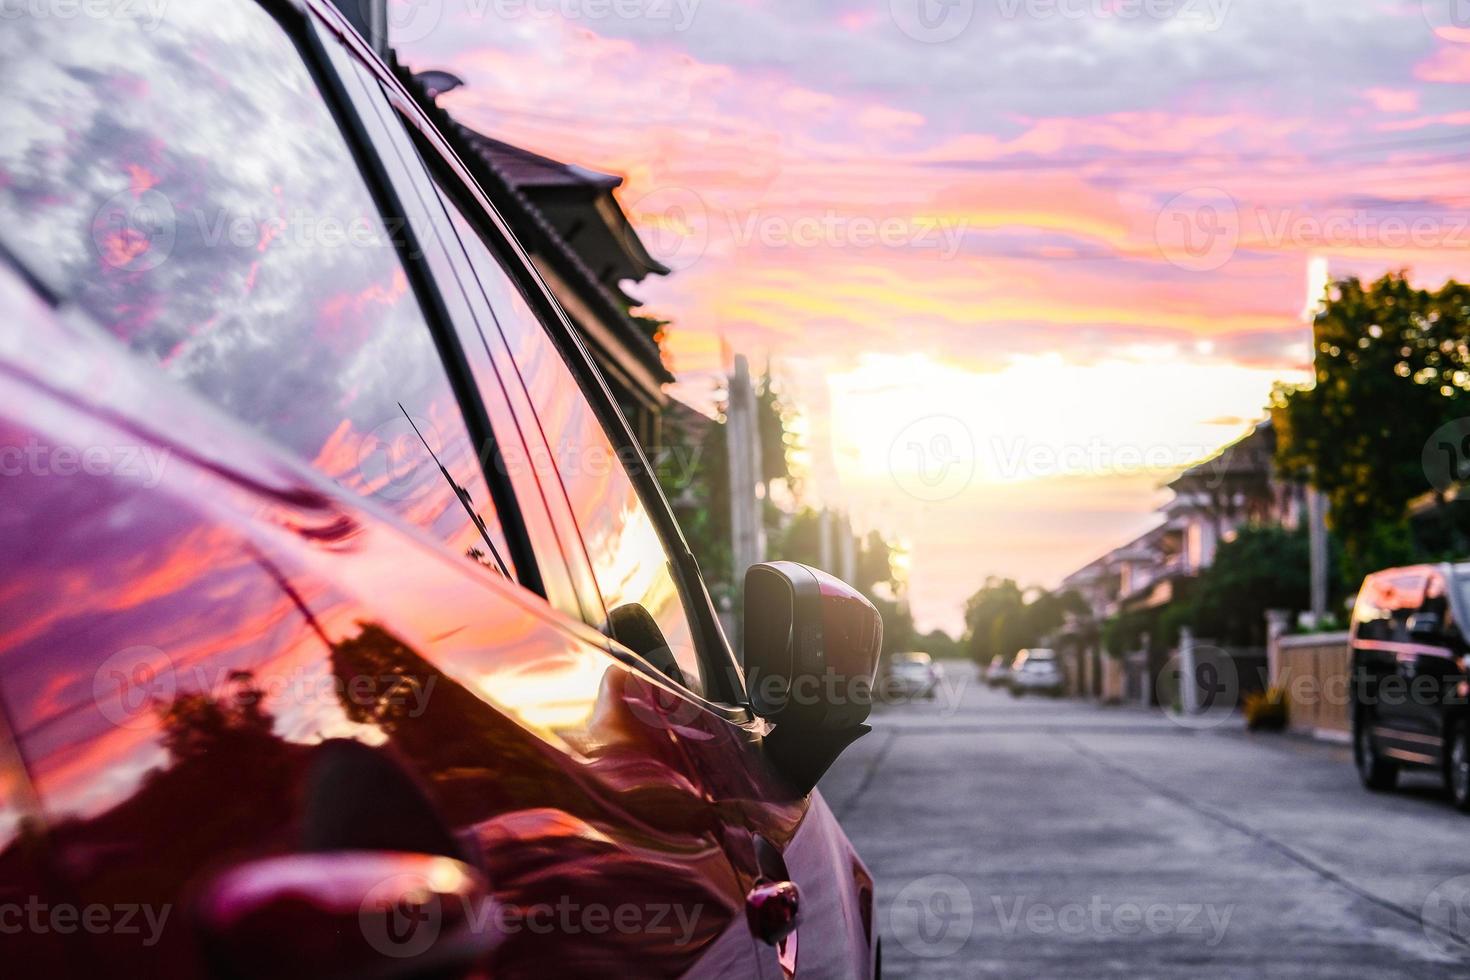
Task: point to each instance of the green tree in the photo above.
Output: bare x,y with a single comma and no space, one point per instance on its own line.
694,470
1391,365
773,421
1262,568
938,644
987,613
1001,618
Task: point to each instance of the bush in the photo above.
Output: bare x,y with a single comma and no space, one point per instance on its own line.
1265,711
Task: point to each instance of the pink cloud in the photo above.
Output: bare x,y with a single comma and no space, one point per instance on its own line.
882,117
1450,63
1392,99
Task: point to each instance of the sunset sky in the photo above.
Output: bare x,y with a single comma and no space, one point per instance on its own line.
1014,261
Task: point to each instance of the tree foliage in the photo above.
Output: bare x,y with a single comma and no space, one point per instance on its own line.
1001,618
1262,568
773,421
693,468
938,644
1392,365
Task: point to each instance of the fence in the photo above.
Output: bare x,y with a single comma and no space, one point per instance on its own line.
1313,671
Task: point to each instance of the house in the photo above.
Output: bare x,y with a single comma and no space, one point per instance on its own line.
1211,502
1235,487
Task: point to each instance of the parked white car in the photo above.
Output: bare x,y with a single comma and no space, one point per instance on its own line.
1036,672
908,675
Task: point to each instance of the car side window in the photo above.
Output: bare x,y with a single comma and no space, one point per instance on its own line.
645,608
1431,621
189,187
1385,605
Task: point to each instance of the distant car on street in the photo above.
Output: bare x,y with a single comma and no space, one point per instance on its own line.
1036,672
997,673
1409,683
909,675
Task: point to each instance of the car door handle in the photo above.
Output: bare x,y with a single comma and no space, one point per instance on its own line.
773,909
346,914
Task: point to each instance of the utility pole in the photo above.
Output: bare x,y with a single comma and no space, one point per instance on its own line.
742,437
1317,552
846,551
1318,280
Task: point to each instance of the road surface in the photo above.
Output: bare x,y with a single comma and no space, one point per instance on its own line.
1053,838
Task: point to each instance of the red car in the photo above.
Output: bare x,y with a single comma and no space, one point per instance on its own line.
343,628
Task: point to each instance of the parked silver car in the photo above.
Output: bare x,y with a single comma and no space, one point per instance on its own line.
997,673
908,675
1036,672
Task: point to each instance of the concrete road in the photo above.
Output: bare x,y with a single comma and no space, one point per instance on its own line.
1052,838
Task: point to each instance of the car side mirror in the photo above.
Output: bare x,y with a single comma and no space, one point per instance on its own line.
811,651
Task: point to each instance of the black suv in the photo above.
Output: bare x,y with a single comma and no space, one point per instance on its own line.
1410,688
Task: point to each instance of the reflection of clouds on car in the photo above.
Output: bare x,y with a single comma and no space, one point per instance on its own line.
273,288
